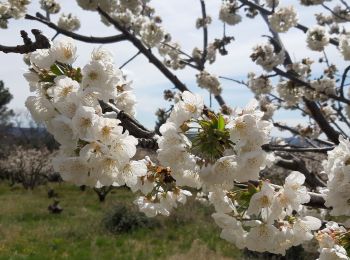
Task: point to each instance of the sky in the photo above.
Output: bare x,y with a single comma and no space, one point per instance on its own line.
179,18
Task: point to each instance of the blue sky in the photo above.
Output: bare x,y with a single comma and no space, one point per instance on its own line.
179,19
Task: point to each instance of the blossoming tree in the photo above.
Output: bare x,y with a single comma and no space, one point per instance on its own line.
214,155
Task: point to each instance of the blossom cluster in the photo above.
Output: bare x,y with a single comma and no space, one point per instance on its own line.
229,12
12,9
338,170
209,82
331,241
283,19
50,6
272,222
267,56
68,22
94,148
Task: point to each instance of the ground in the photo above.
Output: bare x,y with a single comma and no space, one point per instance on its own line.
29,231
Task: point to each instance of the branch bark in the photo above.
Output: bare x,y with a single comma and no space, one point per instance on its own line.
41,42
83,38
297,164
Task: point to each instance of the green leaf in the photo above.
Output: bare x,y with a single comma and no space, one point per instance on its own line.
55,69
221,123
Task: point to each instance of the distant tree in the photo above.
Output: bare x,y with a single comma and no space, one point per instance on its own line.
5,112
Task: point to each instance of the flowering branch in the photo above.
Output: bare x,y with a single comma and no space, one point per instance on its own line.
151,57
134,127
316,199
267,12
300,82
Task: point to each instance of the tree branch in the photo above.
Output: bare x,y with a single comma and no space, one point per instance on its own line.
267,12
322,121
89,39
270,147
342,84
307,85
41,42
151,57
129,60
297,164
134,127
205,34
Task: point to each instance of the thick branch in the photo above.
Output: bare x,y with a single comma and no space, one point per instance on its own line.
316,201
297,164
134,127
311,105
322,121
41,42
89,39
269,147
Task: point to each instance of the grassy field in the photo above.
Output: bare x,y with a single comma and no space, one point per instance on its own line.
29,231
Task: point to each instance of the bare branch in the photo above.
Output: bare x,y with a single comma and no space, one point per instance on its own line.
41,42
205,34
297,164
342,84
129,60
267,12
291,149
322,121
89,39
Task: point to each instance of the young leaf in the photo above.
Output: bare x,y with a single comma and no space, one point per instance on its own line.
221,123
55,69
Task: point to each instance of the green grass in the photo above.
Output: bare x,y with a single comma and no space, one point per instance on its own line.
29,231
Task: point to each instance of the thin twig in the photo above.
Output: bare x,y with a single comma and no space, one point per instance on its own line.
89,39
335,14
129,60
343,80
205,34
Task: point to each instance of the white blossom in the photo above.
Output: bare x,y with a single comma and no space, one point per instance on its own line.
209,82
229,12
283,19
64,50
68,22
317,38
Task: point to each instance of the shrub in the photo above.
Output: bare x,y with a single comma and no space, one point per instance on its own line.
30,167
124,219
